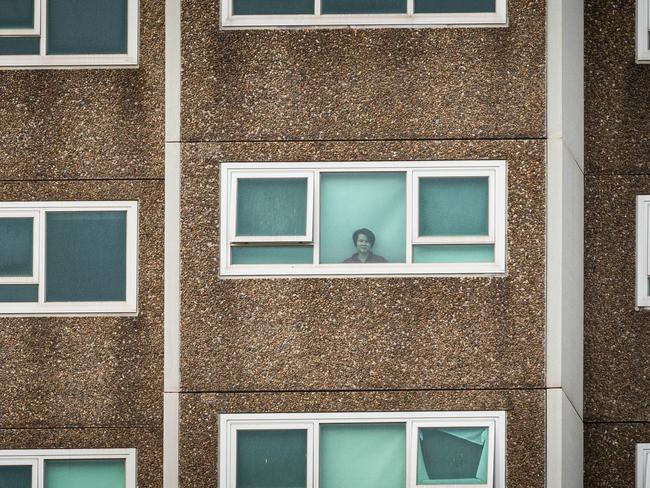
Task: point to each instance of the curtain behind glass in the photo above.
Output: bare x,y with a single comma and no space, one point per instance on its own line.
96,473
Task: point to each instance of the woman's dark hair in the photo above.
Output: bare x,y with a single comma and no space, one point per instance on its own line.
366,232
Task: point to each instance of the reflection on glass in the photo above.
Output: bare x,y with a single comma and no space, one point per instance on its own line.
356,201
452,455
364,240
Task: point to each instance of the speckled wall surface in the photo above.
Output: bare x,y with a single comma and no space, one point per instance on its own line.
334,84
304,334
525,423
88,123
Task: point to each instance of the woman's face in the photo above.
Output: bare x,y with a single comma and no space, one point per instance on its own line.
363,244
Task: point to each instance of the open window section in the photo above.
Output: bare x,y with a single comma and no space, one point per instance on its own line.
643,251
268,13
66,468
643,31
363,218
363,450
68,33
68,258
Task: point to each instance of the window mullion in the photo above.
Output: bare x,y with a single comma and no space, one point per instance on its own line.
410,7
317,8
42,266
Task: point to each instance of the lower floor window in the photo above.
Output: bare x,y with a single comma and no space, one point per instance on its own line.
643,466
363,450
63,468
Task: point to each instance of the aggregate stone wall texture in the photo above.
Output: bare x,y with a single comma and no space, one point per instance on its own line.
617,91
381,333
89,371
610,453
88,123
360,83
146,441
617,337
199,432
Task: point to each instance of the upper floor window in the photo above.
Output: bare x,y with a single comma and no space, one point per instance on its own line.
643,31
643,466
68,257
363,450
643,251
68,33
68,468
363,218
267,13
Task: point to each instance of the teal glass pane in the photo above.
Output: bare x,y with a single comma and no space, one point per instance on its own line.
351,201
452,456
363,6
454,6
272,254
85,256
96,473
273,7
16,14
13,46
87,27
271,207
18,293
454,253
454,206
272,458
362,455
15,477
16,246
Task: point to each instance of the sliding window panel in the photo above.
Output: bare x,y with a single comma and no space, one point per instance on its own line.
17,14
363,6
16,247
454,6
272,255
18,294
17,46
273,7
95,473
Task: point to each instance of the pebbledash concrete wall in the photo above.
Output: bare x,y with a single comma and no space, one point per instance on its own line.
89,382
617,336
362,344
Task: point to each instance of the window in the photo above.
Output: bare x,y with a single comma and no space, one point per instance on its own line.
643,31
363,450
643,466
71,33
363,218
642,251
267,13
68,257
66,468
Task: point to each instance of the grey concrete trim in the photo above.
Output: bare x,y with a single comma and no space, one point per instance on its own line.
170,439
564,442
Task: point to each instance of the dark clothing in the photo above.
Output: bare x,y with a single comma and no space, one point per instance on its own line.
372,258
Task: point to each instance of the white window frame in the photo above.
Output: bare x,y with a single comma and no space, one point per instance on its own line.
643,465
35,30
643,31
36,458
43,308
495,169
44,60
642,250
36,255
409,18
229,424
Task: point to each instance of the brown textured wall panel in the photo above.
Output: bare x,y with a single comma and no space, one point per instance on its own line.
88,123
345,84
617,337
148,443
89,371
610,453
617,91
525,423
304,334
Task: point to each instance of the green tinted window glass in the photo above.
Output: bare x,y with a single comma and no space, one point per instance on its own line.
86,256
87,27
452,455
453,253
16,14
18,293
272,459
271,7
362,455
99,473
271,206
272,255
15,477
363,6
454,206
454,6
16,246
374,201
13,46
